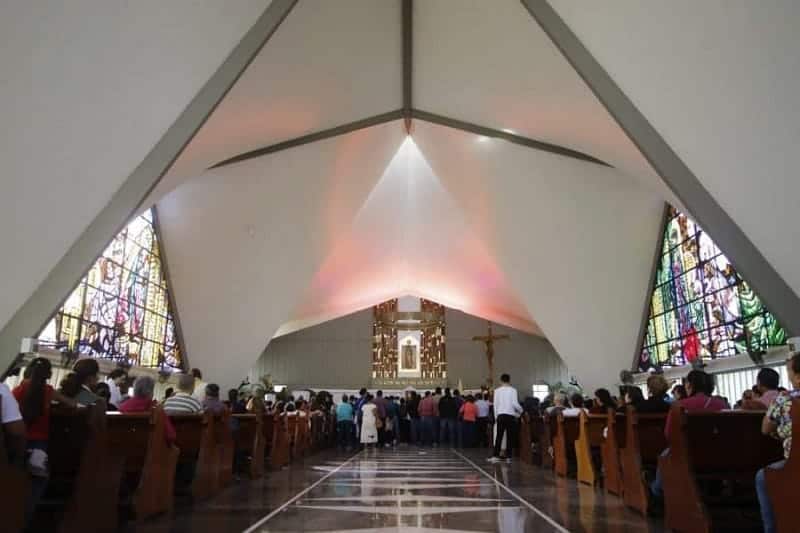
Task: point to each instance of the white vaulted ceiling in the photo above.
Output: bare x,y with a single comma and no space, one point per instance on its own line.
552,245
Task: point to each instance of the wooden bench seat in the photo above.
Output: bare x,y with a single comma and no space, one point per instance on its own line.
717,450
644,442
279,455
249,440
611,451
84,480
564,445
587,446
223,437
782,483
16,488
525,440
199,452
148,478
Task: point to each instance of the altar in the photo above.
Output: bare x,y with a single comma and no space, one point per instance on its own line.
408,348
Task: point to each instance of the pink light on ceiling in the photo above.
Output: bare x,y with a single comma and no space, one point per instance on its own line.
410,237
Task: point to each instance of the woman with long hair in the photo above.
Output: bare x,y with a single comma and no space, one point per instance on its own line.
34,396
80,382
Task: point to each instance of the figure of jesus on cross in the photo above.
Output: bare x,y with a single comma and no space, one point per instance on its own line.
489,341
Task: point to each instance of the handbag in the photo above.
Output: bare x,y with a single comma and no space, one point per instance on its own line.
378,423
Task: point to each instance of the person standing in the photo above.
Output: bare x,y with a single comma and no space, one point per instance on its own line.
469,417
506,410
482,425
448,413
344,423
435,421
412,408
426,413
380,405
369,418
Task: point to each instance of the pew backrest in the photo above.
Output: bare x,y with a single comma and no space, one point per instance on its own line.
189,429
727,442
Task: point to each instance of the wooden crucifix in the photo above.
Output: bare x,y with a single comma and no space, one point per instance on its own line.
489,341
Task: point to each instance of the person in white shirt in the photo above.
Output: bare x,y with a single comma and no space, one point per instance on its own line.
484,409
506,411
13,426
116,378
577,406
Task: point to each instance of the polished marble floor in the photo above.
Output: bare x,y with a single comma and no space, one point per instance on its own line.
405,490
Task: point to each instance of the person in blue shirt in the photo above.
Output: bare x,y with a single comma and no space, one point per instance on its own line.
344,423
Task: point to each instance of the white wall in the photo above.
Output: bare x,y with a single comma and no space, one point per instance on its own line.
719,80
88,88
337,355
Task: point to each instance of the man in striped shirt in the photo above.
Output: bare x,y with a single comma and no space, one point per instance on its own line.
182,402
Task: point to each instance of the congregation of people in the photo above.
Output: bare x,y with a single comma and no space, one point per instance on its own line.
434,418
26,411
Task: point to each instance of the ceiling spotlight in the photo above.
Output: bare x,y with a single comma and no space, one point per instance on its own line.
506,130
482,138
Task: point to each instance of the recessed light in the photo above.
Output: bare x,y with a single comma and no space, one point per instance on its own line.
506,130
482,138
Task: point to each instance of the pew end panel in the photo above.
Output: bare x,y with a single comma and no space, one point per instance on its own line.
613,444
782,482
587,447
644,442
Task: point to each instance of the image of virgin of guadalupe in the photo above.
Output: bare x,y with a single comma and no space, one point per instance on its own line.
409,356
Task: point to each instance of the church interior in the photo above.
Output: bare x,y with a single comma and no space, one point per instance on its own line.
304,265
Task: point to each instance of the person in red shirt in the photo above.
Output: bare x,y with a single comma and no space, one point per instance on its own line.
699,387
142,402
427,409
469,416
34,396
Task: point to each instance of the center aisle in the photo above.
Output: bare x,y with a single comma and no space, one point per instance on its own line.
409,490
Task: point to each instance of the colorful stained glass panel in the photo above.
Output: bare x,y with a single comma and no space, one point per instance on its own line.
120,309
700,306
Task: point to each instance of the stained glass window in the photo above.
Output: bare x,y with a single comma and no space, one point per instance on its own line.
700,307
120,310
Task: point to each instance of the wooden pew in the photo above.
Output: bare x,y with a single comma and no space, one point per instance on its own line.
223,437
611,451
782,483
198,449
546,440
590,436
291,432
148,479
279,455
250,440
524,447
16,488
564,444
725,447
84,479
644,442
268,428
536,429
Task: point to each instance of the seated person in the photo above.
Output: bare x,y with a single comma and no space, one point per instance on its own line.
602,402
211,401
103,391
778,423
559,404
142,402
633,397
182,402
577,406
764,392
656,402
699,387
79,383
